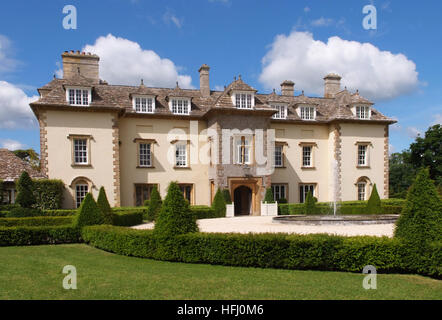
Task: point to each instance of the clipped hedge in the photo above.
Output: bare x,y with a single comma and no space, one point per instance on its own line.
312,252
25,235
36,221
60,212
127,219
48,193
204,212
344,208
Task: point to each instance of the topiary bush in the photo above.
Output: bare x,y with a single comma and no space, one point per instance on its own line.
175,217
88,214
20,212
227,197
269,196
219,204
48,194
310,204
420,223
25,188
374,203
103,205
154,204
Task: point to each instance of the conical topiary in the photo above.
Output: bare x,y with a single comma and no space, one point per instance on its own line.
219,204
269,196
88,214
374,202
154,204
25,188
310,204
175,217
227,197
104,206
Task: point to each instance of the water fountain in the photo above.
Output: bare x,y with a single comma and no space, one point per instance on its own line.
335,218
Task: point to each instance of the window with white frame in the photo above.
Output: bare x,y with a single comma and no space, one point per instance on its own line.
362,155
81,151
243,149
279,155
79,96
304,189
363,112
181,154
362,190
307,156
81,191
279,191
243,100
180,106
144,104
282,111
307,113
145,154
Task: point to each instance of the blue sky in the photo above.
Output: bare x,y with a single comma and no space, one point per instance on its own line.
251,38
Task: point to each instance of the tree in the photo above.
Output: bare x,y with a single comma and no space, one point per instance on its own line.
427,152
227,197
88,214
29,155
310,204
269,196
219,204
374,202
104,206
402,174
175,217
25,188
154,204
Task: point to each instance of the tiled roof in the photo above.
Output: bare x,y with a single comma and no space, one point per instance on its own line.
12,167
119,96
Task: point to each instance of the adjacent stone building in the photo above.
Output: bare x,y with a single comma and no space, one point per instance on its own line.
130,138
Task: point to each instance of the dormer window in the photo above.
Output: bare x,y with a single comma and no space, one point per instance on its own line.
307,113
79,96
180,106
244,100
282,111
143,104
363,112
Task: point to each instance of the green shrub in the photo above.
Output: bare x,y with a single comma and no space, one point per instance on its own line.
8,207
203,212
25,187
310,204
103,205
88,214
59,212
308,252
269,196
420,223
35,221
175,216
154,205
126,219
219,204
227,197
25,236
20,212
282,200
374,202
48,194
146,203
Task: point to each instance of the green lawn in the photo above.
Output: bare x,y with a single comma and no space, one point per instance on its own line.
36,273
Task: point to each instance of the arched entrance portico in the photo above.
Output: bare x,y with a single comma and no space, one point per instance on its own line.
242,197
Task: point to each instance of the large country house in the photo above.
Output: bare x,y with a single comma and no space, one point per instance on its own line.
130,138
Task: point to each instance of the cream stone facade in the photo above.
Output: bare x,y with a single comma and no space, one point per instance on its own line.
131,138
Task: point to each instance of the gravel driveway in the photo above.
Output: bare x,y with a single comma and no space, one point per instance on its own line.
264,225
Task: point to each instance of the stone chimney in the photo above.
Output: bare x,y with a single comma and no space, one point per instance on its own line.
332,85
288,88
204,80
80,62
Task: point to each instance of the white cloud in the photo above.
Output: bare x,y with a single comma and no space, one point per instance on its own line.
307,9
322,22
413,132
437,119
14,107
170,17
6,63
378,75
391,149
124,62
11,144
